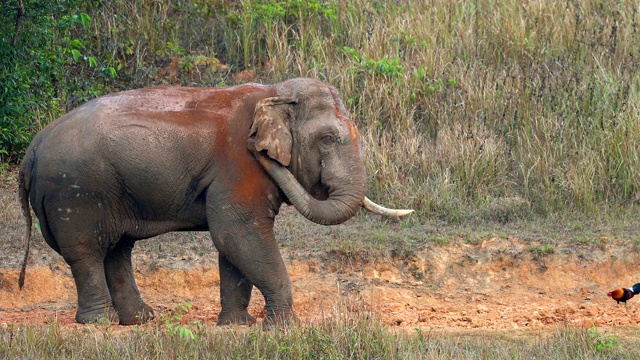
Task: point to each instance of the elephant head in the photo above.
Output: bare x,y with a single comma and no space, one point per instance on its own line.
304,139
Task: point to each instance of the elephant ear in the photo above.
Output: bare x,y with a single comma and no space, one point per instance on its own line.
271,128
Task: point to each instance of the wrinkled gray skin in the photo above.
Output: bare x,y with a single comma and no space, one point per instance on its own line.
140,163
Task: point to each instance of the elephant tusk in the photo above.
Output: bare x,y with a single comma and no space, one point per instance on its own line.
381,210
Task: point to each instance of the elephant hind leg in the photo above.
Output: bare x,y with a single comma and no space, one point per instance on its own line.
235,294
87,268
74,225
125,295
94,301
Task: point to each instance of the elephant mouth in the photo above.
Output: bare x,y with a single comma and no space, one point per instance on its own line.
320,191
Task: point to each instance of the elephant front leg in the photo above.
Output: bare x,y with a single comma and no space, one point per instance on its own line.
248,243
235,294
122,285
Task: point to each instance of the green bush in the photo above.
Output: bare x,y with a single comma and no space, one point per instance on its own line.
49,67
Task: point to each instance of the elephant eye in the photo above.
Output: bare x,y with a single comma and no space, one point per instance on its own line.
328,139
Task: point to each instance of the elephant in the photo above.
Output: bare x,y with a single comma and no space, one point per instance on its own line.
139,163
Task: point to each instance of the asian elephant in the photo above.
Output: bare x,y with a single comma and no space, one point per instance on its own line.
140,163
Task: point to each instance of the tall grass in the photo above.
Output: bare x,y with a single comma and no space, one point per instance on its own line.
344,338
529,107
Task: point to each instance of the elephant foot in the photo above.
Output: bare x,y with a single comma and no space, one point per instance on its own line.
235,318
280,320
107,314
139,316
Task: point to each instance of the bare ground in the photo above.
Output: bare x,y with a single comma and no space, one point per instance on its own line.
407,274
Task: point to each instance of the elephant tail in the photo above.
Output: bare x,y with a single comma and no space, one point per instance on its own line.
23,197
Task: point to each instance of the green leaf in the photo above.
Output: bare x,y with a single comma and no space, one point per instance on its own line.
110,71
184,332
352,52
75,54
85,20
92,61
76,44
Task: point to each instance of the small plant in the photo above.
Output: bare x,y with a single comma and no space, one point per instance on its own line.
540,251
389,67
186,64
417,274
173,321
171,49
602,343
440,240
76,45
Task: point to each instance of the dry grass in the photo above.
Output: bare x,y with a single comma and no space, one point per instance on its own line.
461,103
344,338
359,337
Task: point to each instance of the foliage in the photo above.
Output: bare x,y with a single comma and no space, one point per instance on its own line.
48,67
468,110
173,319
602,343
383,67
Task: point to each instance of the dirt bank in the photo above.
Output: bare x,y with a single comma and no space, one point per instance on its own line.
492,285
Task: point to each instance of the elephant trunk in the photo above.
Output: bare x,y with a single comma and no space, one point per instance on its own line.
343,201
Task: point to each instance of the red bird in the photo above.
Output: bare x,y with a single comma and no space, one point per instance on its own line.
624,294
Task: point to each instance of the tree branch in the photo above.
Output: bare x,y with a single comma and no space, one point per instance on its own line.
19,16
